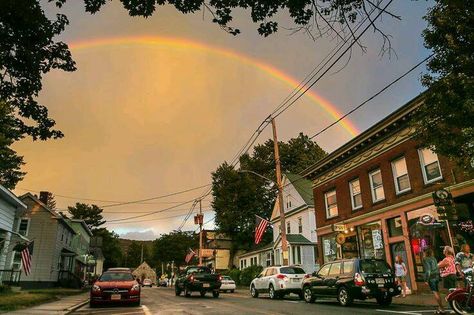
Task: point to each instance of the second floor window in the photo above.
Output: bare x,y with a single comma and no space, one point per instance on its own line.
356,195
23,227
288,201
429,165
288,228
376,186
400,175
300,225
331,204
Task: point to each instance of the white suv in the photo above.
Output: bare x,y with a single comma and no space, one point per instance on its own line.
278,281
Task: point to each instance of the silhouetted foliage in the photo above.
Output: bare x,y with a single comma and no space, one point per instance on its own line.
91,214
173,247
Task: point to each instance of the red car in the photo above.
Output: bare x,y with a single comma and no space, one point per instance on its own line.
115,287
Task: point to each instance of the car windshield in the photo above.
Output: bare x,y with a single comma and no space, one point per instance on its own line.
198,270
116,276
292,270
374,266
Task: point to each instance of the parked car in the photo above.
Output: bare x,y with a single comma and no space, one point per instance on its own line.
198,279
352,279
115,286
227,284
147,283
163,282
120,269
278,281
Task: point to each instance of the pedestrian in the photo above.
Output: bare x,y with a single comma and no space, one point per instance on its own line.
432,277
401,274
447,268
463,261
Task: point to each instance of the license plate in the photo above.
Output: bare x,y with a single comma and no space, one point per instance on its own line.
115,297
205,285
295,280
380,280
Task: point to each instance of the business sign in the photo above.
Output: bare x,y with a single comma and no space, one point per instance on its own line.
339,227
377,239
328,250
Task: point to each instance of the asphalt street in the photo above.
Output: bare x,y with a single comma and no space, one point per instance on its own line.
162,301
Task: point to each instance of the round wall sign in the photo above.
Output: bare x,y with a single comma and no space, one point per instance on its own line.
340,238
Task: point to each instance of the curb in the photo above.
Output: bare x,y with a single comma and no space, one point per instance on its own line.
71,309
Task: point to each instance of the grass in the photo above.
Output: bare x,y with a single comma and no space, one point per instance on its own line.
17,300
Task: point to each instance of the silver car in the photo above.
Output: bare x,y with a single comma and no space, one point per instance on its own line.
278,281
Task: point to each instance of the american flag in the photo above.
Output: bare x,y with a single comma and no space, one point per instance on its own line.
189,256
26,255
260,227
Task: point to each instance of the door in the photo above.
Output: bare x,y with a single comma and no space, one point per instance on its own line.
259,280
266,279
318,284
398,249
332,279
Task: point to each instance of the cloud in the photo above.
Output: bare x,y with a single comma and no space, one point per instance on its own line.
146,235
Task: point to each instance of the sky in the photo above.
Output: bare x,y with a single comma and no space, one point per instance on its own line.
157,104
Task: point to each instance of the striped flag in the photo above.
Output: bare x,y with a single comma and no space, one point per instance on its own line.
26,255
189,256
260,227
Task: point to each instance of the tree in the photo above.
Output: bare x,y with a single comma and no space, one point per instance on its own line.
133,256
239,196
173,247
446,121
91,214
113,256
10,162
27,52
50,201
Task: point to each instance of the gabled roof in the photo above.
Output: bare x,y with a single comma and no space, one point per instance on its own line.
81,223
294,239
302,186
9,197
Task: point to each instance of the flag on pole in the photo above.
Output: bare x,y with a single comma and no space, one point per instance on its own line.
26,255
189,256
260,227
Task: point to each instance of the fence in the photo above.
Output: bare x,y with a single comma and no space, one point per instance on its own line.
10,276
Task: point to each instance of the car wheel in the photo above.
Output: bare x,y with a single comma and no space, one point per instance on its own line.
308,295
344,297
177,291
187,292
272,293
253,292
203,293
384,300
215,294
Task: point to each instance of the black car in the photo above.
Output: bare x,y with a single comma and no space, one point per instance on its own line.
351,279
198,279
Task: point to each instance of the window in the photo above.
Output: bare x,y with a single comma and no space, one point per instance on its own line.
288,201
300,225
241,264
335,269
331,204
288,227
23,227
324,271
356,195
429,165
270,272
269,259
376,186
395,226
296,254
400,175
277,257
16,263
348,267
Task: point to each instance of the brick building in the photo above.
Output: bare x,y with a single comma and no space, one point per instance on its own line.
373,197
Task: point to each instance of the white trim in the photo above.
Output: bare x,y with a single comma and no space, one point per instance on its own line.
396,176
372,185
27,227
423,170
326,203
352,194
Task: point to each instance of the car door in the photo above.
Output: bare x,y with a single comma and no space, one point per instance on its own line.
259,280
266,279
318,284
333,278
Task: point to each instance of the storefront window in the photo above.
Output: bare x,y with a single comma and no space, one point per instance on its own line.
395,226
371,241
329,248
349,247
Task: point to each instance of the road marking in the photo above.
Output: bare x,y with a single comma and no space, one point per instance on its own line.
146,310
412,312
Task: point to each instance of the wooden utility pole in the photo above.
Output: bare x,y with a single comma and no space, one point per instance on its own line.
200,232
284,244
141,256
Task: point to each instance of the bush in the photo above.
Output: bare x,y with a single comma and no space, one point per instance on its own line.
4,289
235,275
248,274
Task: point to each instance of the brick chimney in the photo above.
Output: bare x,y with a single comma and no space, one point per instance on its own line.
44,196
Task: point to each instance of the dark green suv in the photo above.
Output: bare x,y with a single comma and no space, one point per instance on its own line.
351,279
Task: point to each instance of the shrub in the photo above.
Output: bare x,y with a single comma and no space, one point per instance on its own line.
235,275
248,274
4,289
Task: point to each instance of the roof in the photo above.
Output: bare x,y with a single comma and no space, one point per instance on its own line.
254,251
302,186
298,239
9,197
82,223
368,138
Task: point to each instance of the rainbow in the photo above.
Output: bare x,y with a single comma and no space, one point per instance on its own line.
185,45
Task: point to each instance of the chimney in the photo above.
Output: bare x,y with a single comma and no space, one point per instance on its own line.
44,197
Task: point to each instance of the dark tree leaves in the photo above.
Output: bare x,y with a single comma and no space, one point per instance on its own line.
446,122
113,256
91,214
173,247
27,52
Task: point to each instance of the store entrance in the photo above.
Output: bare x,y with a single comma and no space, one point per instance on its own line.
399,249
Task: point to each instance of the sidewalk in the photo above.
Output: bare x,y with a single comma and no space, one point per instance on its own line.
421,299
63,306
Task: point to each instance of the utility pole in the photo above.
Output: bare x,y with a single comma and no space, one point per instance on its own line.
200,232
284,244
141,256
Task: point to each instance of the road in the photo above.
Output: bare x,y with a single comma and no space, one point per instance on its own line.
162,301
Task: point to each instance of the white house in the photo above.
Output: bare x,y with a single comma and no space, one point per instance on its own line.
262,256
9,206
300,223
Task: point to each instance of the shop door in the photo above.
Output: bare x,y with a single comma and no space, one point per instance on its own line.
398,249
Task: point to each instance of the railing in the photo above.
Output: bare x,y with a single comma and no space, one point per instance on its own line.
68,279
10,276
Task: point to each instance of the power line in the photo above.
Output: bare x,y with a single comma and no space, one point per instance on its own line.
148,220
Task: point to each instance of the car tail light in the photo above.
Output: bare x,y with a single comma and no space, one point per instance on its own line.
359,280
282,277
220,278
307,276
191,278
